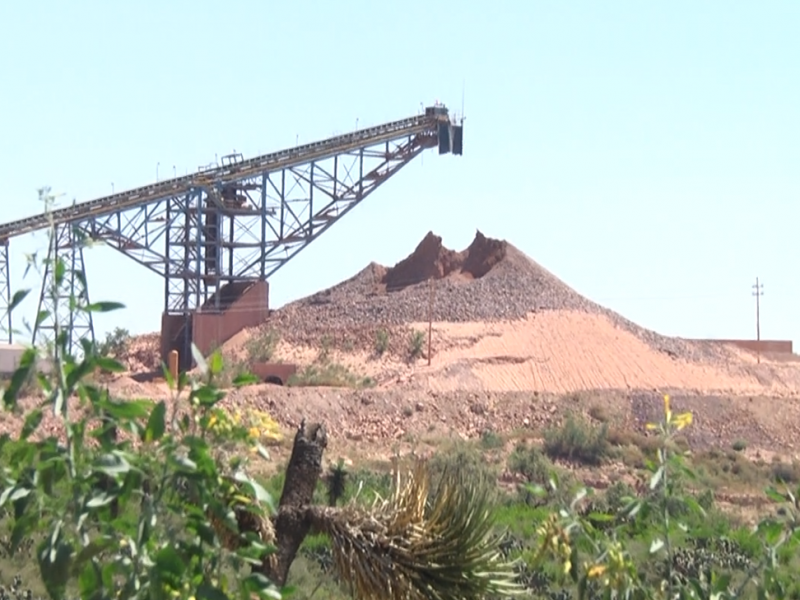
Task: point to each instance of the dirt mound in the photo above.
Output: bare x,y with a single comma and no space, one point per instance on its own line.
490,281
431,260
483,254
142,354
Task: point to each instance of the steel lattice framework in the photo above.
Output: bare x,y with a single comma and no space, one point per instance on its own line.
66,245
240,220
5,290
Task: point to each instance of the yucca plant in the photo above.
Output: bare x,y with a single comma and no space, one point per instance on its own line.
415,545
336,483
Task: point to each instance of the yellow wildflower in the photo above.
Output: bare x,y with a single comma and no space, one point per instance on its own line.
682,420
667,410
595,571
254,433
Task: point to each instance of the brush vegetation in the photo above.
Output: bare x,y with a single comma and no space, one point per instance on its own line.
139,499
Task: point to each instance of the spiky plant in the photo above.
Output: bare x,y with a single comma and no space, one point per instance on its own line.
336,483
238,509
415,546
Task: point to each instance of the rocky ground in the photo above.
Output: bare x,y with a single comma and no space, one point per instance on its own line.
513,347
489,281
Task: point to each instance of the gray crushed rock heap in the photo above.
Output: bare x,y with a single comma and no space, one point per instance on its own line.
489,281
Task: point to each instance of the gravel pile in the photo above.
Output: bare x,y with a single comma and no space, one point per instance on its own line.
512,288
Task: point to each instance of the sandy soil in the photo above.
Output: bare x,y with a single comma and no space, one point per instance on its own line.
561,352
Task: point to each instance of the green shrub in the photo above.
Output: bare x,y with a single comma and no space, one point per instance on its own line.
416,344
577,440
328,374
262,345
599,413
491,440
530,462
465,459
786,472
381,342
110,519
115,343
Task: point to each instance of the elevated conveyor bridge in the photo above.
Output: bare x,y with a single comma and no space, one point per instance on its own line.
230,224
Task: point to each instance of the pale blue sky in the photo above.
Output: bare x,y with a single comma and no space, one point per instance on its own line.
646,153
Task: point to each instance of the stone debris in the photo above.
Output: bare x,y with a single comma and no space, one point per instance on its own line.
489,281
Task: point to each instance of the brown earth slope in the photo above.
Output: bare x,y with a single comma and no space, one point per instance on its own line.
504,323
490,281
506,329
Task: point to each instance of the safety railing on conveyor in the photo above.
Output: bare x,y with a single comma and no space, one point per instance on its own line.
239,170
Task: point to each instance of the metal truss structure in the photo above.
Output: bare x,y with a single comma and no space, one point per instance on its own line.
64,286
5,290
242,220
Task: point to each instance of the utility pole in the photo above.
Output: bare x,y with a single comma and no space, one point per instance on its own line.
430,318
758,291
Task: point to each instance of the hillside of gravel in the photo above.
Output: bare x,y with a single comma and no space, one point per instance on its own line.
491,280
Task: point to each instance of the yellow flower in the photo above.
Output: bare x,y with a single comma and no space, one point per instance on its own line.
667,410
682,420
253,432
212,421
595,571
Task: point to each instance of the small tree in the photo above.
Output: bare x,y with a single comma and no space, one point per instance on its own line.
115,344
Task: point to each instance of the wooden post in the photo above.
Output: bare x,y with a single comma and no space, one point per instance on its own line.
173,365
430,320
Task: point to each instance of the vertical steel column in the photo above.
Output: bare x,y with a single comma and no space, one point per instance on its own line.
5,291
361,174
182,270
184,260
283,205
58,299
197,210
311,201
263,241
334,197
231,245
168,266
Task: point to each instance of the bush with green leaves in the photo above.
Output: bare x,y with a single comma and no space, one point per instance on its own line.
577,440
115,343
132,499
602,562
416,344
381,342
125,498
262,345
